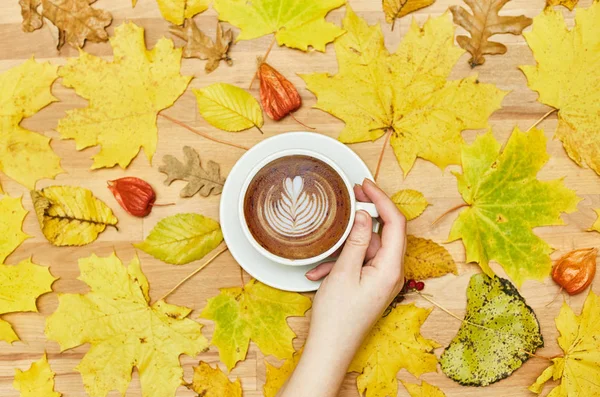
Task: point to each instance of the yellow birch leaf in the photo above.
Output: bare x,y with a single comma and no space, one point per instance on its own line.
579,368
395,9
426,259
296,24
410,202
395,342
423,390
37,381
176,11
21,285
124,95
596,225
212,382
256,312
71,215
26,156
124,330
406,93
570,4
567,77
12,215
228,107
276,377
182,238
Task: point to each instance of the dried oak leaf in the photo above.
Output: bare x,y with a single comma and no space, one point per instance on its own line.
484,23
201,181
32,19
37,381
395,9
198,45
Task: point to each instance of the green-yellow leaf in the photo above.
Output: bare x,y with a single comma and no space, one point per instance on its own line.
176,11
37,381
410,202
423,390
505,201
596,225
426,259
296,24
395,342
228,107
20,287
12,215
256,312
124,330
71,215
276,377
182,238
212,382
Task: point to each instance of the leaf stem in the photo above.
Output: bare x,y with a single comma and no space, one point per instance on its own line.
541,119
212,258
301,123
258,128
424,296
385,142
538,356
203,134
263,59
449,211
242,277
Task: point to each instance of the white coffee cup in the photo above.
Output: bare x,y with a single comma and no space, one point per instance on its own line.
355,206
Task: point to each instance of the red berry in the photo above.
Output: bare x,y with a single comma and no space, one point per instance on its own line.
420,285
411,284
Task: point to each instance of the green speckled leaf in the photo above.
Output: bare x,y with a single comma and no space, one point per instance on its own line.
498,332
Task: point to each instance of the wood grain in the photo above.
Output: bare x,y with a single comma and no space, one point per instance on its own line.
519,108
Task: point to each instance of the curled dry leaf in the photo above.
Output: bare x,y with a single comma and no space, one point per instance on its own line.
32,20
198,45
135,195
484,23
278,95
395,9
575,271
201,181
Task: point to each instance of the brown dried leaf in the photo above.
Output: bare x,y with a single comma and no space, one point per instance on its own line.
484,23
395,9
201,181
32,19
77,21
199,45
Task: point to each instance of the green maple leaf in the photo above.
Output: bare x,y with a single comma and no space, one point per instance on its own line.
505,201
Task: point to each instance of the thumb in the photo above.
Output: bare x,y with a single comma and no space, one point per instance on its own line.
353,254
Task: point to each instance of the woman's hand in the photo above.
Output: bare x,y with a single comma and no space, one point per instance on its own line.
367,275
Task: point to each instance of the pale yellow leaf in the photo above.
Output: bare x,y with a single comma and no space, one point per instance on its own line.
277,376
410,202
37,381
596,225
12,215
423,390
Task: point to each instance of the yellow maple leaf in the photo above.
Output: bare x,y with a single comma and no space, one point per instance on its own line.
212,382
124,330
426,259
21,285
124,95
395,342
276,377
406,93
570,4
37,381
596,225
26,156
256,312
567,78
410,202
579,368
12,215
395,9
296,24
176,11
423,390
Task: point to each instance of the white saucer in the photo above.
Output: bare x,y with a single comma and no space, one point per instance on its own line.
290,278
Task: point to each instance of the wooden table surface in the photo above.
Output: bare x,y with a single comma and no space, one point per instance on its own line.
519,108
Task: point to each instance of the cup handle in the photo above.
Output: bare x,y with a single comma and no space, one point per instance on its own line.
370,209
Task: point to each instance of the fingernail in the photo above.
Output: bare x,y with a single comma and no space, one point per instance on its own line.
368,181
310,272
361,218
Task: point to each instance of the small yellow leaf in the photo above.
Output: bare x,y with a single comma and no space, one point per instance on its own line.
426,259
423,390
228,107
256,312
37,381
395,9
410,202
596,225
570,4
176,11
12,215
395,342
71,215
276,377
209,382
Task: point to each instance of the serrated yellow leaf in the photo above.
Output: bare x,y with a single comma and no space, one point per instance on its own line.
21,285
296,24
228,107
579,368
276,377
410,202
596,225
505,201
395,342
176,11
256,312
26,156
124,330
395,9
570,4
212,382
422,390
426,259
37,381
182,238
12,215
406,93
124,95
71,215
567,78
